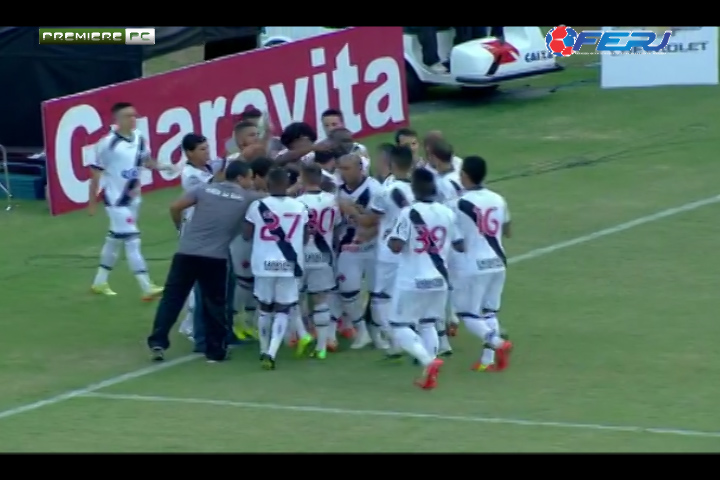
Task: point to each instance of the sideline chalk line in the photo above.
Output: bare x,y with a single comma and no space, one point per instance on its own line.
94,387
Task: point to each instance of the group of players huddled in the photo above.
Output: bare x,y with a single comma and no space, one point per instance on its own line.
423,239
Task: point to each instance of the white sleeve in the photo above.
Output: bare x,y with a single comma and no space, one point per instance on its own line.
507,211
377,202
402,228
102,149
252,213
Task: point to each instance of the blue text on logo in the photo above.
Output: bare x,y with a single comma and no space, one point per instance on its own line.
609,41
130,174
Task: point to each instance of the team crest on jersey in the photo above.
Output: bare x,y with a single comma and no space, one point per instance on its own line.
130,174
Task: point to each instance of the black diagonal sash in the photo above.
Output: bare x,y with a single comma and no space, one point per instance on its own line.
468,208
323,247
439,263
363,200
398,197
285,247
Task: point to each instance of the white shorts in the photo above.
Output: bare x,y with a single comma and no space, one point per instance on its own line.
412,306
476,293
319,280
123,220
280,290
240,254
353,268
385,273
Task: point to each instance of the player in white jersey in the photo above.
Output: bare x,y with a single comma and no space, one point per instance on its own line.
333,120
434,136
439,154
357,248
382,169
324,217
119,157
483,219
385,208
277,227
198,171
422,236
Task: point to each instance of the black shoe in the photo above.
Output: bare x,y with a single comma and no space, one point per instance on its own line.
157,354
267,362
446,353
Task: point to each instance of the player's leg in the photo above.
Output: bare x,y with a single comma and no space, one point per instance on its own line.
302,336
374,327
285,297
335,306
243,299
320,283
109,253
490,308
263,290
453,322
403,325
186,326
350,279
381,295
433,311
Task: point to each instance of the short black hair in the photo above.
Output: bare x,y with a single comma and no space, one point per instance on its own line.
441,149
324,156
332,112
242,125
385,148
423,183
278,178
312,173
235,169
475,167
401,156
192,140
250,113
119,106
404,132
295,131
261,166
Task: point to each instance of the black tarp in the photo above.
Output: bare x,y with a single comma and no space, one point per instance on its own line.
32,73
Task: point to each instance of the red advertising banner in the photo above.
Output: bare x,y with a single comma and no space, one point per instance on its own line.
357,70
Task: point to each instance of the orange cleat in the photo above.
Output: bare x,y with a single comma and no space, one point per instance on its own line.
429,379
332,347
348,332
452,330
502,355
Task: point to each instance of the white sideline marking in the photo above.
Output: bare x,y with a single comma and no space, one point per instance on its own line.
401,414
94,387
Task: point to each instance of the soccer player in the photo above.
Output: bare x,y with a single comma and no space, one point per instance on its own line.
324,218
299,140
382,166
271,144
409,138
385,208
357,249
436,135
342,141
422,236
198,171
277,227
245,134
119,157
332,120
483,219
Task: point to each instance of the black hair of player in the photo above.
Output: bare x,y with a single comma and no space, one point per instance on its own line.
332,112
120,106
423,184
441,150
242,125
475,167
323,157
261,166
295,131
278,181
404,132
236,169
401,157
385,148
191,141
250,114
312,175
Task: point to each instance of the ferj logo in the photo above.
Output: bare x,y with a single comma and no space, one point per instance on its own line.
563,41
98,36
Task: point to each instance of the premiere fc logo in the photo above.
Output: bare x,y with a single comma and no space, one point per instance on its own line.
560,41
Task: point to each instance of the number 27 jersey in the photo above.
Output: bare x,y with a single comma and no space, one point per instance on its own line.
323,218
481,215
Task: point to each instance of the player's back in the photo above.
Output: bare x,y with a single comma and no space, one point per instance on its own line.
390,202
481,217
423,261
323,217
278,236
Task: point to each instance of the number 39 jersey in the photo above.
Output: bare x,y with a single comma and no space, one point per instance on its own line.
323,217
277,248
389,202
428,230
481,215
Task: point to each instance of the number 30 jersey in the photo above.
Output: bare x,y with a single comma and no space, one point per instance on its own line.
278,238
481,216
323,217
428,230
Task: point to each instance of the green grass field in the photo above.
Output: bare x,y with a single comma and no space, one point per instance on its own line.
616,339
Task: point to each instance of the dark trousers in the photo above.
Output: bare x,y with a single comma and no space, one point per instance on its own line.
427,36
210,274
199,321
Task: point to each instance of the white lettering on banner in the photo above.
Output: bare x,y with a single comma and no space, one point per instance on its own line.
367,87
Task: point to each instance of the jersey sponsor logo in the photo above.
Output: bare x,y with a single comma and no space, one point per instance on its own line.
130,174
430,283
363,67
278,266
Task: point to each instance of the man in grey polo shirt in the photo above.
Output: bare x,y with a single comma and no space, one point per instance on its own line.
202,257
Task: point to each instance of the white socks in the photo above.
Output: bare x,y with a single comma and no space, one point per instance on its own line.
429,336
279,327
411,343
322,321
137,263
108,257
265,323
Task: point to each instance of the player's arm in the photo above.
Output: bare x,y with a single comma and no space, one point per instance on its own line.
96,170
218,167
458,242
400,233
153,164
305,219
507,228
251,217
182,203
